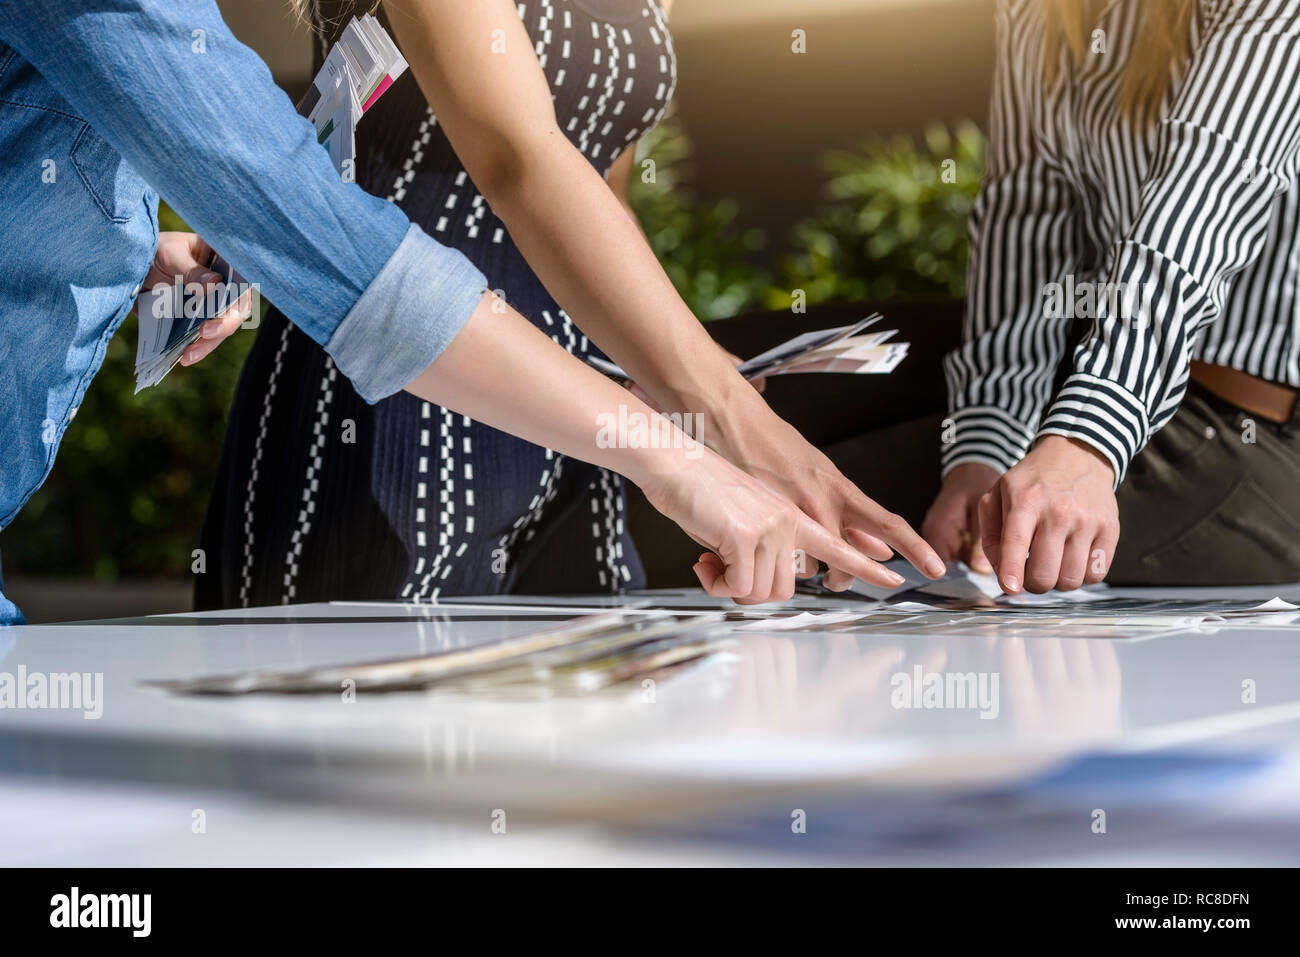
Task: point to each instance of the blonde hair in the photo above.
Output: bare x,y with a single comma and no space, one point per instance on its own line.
303,9
1161,49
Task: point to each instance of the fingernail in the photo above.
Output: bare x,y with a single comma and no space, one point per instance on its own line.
936,568
896,579
1011,585
211,329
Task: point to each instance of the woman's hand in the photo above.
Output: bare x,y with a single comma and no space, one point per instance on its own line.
758,541
750,435
1052,521
952,525
185,257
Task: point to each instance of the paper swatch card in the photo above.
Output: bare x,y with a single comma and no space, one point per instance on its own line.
844,349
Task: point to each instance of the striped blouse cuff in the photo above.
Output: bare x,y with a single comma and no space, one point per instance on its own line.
985,434
1105,415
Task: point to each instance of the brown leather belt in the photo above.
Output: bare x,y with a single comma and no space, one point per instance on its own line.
1268,400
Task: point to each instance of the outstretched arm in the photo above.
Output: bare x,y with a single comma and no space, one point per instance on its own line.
476,66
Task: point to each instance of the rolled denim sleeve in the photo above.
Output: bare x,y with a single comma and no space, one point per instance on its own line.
393,312
197,114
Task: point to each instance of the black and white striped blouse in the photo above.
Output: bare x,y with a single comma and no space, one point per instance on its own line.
1178,241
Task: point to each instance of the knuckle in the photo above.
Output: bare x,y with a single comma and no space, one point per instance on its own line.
840,487
1015,538
1027,497
1060,510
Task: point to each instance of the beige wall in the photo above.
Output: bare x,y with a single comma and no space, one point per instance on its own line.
270,29
760,114
689,15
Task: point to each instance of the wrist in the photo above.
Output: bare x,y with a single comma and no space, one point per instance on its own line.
973,467
733,418
1075,455
663,466
739,423
972,474
694,374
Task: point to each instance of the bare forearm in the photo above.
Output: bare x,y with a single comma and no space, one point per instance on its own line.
504,372
578,238
592,256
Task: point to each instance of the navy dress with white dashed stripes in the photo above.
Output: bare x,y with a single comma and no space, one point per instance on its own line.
321,496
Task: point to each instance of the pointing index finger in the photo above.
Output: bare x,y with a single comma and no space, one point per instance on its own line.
1018,525
834,551
906,541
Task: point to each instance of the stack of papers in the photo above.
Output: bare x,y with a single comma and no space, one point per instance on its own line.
359,69
965,602
968,603
845,349
580,657
1111,619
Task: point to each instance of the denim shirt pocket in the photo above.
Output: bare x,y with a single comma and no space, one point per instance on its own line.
116,188
113,186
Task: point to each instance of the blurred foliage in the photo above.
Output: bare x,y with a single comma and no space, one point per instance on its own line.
131,480
707,254
895,223
129,488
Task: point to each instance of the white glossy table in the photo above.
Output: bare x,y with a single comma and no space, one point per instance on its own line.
710,766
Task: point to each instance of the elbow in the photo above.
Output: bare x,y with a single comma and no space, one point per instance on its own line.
503,166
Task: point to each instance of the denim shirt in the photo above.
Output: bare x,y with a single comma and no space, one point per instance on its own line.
104,105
